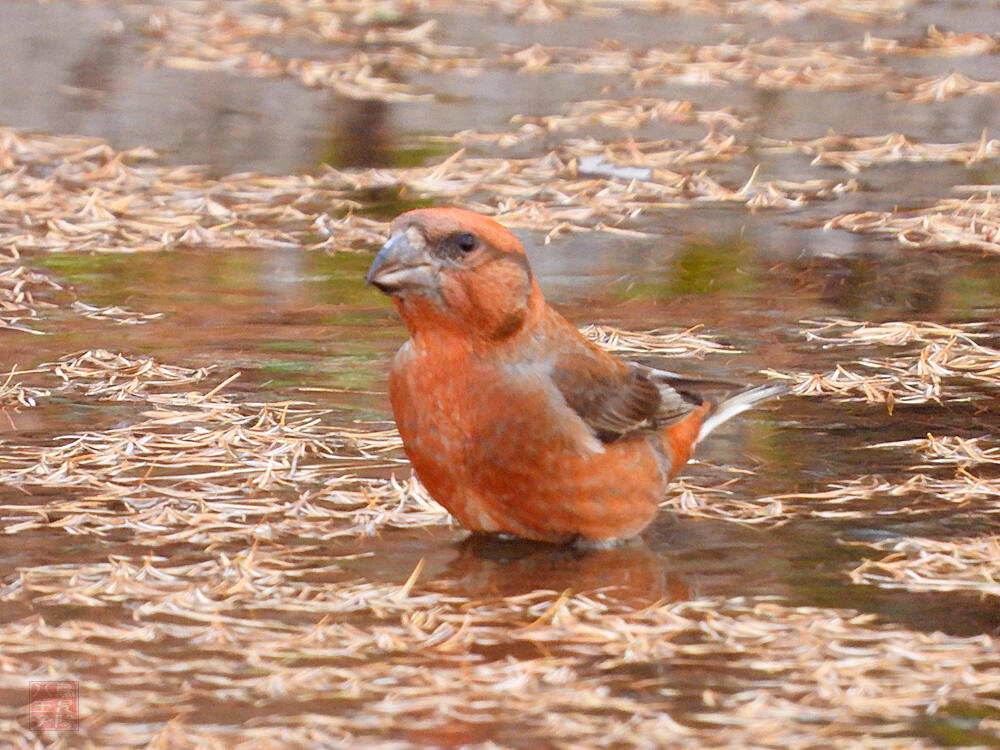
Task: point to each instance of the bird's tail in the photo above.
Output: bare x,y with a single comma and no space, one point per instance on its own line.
740,403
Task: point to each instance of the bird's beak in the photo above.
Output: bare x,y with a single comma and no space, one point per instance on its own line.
403,264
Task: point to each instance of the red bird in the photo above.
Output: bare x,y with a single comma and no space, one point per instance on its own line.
512,419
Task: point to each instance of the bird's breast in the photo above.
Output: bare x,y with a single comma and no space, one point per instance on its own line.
467,404
494,441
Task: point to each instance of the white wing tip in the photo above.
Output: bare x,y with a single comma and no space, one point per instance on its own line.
740,403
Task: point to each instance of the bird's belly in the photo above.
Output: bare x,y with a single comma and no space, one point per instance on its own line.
501,464
557,495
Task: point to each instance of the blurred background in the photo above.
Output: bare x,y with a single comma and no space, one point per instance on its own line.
210,526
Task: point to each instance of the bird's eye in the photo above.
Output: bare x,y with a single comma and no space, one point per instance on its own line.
466,242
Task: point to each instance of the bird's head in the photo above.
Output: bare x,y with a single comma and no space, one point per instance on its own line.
455,270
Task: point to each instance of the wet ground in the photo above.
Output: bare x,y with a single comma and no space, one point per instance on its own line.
245,562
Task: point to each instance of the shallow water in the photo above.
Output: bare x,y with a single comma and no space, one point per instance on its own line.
299,325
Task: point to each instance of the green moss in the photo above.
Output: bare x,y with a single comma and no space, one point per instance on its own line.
711,266
958,725
701,266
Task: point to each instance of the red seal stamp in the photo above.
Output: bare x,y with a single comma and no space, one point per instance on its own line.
54,705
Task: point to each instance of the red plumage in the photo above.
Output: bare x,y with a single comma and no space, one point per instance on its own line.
514,421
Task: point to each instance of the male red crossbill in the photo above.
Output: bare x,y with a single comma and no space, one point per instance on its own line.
513,420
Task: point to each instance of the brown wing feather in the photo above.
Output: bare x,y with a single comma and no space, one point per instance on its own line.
676,401
615,399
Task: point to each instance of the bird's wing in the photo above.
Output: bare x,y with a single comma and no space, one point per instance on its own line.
615,399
